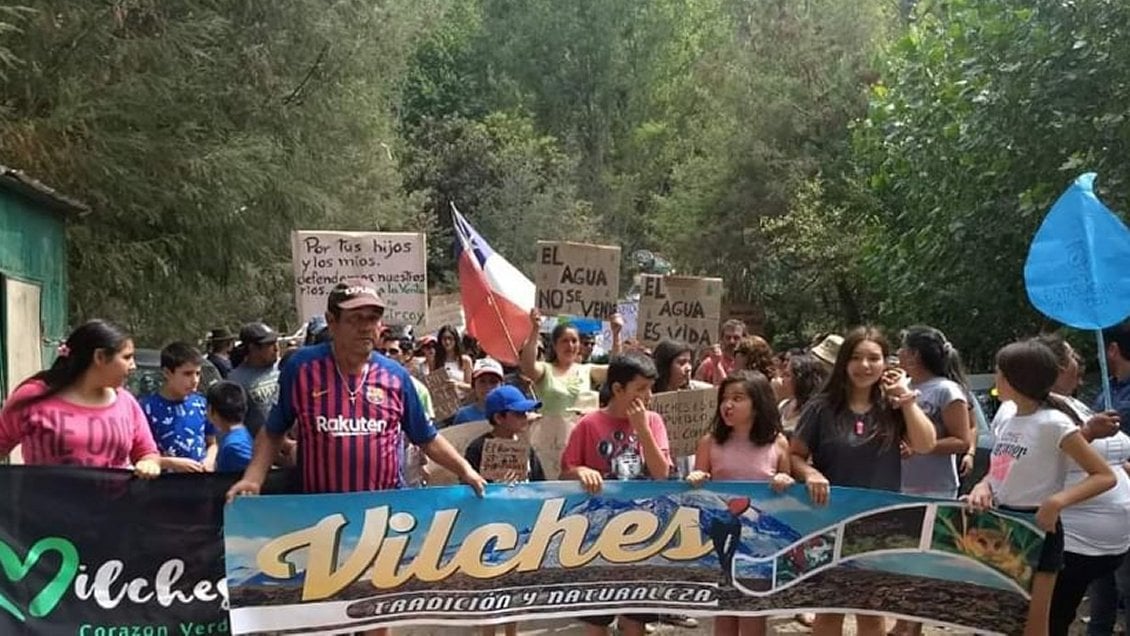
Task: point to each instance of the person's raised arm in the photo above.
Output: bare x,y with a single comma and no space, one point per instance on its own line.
528,361
616,325
655,448
468,368
598,373
921,435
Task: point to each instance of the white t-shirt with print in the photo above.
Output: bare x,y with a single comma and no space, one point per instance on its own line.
1027,465
1099,525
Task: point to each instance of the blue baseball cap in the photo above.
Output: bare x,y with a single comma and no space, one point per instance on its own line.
509,398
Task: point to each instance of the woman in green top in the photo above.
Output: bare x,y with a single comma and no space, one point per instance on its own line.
563,378
561,383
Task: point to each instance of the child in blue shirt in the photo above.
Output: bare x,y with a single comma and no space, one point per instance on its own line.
176,413
227,406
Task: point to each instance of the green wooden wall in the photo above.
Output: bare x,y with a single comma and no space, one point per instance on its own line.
33,249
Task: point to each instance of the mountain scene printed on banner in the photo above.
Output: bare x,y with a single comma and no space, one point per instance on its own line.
731,547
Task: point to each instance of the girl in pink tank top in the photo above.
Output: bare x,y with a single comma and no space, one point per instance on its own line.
745,444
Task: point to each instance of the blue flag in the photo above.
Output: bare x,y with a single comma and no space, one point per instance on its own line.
1078,268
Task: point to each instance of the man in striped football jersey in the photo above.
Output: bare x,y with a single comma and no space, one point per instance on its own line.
349,406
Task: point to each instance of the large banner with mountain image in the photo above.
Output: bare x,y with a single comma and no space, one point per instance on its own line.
306,564
87,552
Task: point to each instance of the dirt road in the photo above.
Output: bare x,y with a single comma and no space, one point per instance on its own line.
571,628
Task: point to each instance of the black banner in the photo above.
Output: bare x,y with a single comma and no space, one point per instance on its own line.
87,552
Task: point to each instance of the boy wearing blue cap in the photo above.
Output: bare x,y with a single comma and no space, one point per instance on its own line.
509,412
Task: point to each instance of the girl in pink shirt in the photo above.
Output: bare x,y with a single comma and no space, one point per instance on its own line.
746,444
77,413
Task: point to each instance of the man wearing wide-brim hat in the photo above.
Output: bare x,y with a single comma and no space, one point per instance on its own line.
220,343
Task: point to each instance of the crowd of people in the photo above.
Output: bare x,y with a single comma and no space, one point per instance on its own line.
349,409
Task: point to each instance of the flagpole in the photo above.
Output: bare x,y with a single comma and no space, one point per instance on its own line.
502,323
1104,372
510,339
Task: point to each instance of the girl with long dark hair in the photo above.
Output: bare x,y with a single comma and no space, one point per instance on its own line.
934,367
745,444
675,363
852,431
77,412
450,357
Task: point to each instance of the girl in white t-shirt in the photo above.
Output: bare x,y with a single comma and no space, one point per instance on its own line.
1029,462
1096,533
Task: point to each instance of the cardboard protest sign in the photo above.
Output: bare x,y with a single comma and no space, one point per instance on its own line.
443,310
445,399
395,262
548,435
753,316
576,279
505,460
460,436
683,308
688,415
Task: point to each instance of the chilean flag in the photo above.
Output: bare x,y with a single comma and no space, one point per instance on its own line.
497,298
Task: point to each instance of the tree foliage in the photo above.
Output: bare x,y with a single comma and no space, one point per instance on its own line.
10,18
987,111
202,134
787,84
514,186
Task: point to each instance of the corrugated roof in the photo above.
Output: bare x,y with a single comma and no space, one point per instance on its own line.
20,183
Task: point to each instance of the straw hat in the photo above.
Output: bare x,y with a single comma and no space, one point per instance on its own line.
828,348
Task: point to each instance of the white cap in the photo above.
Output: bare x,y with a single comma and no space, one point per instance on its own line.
487,365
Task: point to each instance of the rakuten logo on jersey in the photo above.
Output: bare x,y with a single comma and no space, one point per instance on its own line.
344,426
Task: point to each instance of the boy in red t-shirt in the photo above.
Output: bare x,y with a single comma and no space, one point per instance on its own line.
621,441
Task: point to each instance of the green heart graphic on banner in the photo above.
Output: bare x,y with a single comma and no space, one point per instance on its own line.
16,569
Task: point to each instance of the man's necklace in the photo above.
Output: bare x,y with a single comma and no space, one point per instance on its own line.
352,392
